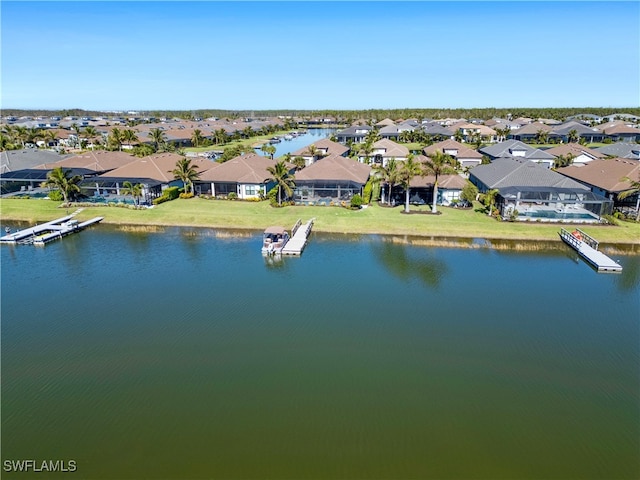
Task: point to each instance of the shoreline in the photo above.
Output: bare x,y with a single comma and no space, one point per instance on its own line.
463,227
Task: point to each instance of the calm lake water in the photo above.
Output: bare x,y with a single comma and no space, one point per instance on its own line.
288,146
184,354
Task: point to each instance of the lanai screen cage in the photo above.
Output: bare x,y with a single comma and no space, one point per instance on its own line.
101,188
325,190
553,203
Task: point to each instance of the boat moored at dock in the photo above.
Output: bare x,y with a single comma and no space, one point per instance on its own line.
274,239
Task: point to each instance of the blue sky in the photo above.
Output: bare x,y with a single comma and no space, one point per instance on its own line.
319,55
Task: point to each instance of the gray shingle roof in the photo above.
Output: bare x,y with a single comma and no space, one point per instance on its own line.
622,150
505,149
11,160
510,172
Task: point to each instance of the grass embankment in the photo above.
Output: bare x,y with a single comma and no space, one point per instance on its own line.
253,142
375,219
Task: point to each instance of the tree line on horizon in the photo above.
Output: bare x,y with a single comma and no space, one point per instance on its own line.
349,116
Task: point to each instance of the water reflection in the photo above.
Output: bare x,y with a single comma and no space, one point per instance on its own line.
404,262
629,279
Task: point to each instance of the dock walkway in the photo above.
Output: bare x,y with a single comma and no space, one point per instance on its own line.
299,236
46,232
587,248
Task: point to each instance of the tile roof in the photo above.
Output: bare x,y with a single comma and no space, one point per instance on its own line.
574,149
97,160
335,167
331,147
463,150
392,149
607,174
12,160
156,167
250,168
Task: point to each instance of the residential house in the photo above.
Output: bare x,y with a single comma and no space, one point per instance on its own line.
383,151
332,179
529,133
517,149
589,134
471,130
323,148
577,153
466,157
98,161
354,134
621,150
154,173
529,191
608,177
247,176
619,131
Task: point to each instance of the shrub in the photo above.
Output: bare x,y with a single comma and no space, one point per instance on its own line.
356,201
186,195
232,196
170,193
56,195
367,192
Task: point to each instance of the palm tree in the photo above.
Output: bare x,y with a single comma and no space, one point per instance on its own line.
542,136
134,190
409,169
389,175
268,149
438,163
91,133
220,136
21,134
280,175
490,198
313,152
196,137
115,138
129,136
63,181
299,162
572,136
186,172
158,137
50,136
635,189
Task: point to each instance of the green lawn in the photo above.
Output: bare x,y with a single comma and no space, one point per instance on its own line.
258,215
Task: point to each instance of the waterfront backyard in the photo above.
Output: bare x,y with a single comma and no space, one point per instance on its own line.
200,212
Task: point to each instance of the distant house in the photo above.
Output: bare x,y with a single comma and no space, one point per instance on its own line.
247,176
517,149
98,161
332,179
383,151
324,148
589,134
619,131
466,157
355,134
530,191
579,155
529,132
469,130
606,177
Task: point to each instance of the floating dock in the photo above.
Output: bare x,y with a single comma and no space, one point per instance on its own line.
47,232
587,248
299,236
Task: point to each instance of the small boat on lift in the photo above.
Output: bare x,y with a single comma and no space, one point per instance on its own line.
273,240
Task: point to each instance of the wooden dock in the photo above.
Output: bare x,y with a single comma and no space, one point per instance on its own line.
587,248
49,231
299,236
